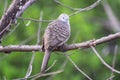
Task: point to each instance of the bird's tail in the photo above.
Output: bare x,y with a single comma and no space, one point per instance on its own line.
45,60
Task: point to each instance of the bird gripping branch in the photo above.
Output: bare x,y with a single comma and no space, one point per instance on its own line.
56,34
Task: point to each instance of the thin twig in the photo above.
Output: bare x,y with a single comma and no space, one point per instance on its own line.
57,1
46,74
35,20
113,62
77,67
114,58
62,66
16,26
41,75
39,27
6,28
110,77
33,55
87,8
28,39
30,66
109,67
51,66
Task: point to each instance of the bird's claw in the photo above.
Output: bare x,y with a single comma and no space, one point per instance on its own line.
92,42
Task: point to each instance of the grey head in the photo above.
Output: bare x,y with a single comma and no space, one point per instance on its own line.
64,17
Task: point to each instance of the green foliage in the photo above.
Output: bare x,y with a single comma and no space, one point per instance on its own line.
84,26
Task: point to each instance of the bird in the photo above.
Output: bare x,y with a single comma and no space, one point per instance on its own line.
56,34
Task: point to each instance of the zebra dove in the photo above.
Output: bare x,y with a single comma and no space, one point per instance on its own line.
56,34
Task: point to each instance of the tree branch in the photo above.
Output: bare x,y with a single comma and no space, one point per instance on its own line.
30,48
78,67
41,75
16,8
86,8
104,63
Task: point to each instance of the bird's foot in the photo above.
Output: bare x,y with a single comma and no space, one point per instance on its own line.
92,42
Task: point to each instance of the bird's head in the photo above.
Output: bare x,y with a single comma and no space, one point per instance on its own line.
64,17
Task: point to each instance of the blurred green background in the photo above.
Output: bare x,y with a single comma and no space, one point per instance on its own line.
87,25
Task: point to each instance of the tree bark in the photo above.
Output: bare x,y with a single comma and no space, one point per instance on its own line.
83,45
16,8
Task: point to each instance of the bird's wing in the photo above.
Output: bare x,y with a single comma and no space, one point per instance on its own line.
58,33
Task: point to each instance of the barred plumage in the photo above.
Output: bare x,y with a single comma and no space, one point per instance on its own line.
56,34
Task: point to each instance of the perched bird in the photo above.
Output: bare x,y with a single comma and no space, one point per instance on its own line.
56,34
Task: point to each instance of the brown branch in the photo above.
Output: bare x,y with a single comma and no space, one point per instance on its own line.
16,8
30,48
